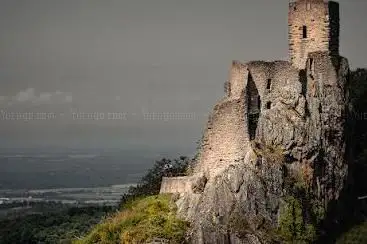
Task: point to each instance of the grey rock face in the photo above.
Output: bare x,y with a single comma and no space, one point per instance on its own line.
326,122
199,183
236,205
300,134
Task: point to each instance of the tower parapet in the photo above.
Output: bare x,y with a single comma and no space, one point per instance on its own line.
313,26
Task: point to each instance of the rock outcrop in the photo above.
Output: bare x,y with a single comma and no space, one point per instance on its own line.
297,158
270,148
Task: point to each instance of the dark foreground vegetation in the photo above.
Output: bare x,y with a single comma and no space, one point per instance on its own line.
60,227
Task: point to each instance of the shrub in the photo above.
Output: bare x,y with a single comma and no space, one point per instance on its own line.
150,183
272,154
292,226
139,222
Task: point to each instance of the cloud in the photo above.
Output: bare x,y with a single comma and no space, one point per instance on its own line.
29,95
24,96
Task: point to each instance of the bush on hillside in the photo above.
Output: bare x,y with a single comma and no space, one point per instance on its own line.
150,183
140,221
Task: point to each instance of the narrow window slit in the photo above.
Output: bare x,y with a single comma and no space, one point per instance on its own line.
268,84
304,31
268,105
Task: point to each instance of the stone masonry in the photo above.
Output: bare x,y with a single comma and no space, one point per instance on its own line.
313,26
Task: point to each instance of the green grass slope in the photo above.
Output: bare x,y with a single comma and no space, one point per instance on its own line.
140,221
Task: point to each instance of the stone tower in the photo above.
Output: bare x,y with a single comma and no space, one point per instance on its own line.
313,26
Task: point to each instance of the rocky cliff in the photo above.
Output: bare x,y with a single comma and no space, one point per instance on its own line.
278,184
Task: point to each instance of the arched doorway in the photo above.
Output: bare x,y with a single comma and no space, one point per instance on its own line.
253,106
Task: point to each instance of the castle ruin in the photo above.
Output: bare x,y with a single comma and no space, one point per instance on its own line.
258,92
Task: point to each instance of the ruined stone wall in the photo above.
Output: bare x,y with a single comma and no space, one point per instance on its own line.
280,75
283,110
225,138
229,129
237,79
319,21
176,185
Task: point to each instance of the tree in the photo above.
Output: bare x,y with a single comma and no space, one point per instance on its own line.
151,182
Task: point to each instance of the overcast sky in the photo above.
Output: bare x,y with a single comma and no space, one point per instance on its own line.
136,57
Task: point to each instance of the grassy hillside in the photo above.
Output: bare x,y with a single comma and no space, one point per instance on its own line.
138,222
